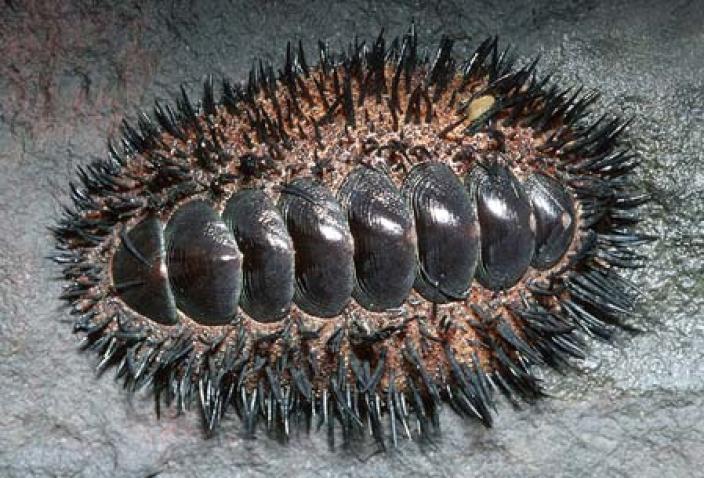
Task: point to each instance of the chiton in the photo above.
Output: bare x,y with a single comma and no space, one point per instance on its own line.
355,243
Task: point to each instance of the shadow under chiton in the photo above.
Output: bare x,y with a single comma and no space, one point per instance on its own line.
355,243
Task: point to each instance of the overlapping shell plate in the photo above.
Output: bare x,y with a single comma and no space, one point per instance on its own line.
356,243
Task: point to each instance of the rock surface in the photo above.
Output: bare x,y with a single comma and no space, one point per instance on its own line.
69,71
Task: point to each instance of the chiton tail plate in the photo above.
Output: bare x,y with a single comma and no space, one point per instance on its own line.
355,242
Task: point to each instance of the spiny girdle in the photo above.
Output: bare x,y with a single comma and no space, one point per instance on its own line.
372,116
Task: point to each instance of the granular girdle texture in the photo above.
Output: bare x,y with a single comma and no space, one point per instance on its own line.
356,242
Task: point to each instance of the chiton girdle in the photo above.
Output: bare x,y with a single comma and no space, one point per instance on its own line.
355,243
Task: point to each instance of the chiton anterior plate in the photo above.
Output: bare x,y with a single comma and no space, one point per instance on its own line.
357,242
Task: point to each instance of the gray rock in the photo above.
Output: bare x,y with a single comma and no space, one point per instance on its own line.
69,71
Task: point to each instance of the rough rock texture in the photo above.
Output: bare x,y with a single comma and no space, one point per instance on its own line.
69,71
